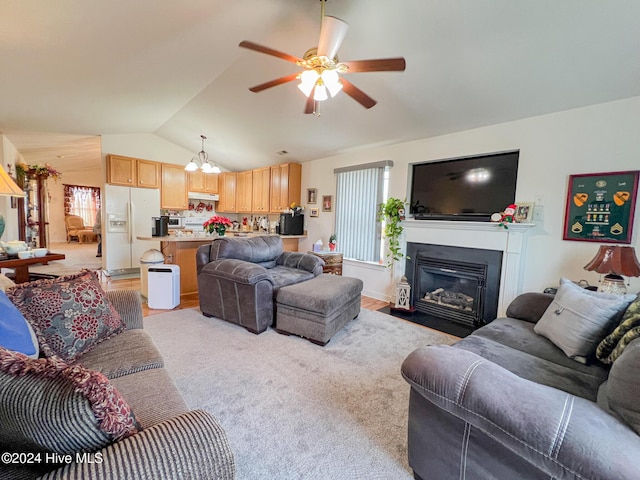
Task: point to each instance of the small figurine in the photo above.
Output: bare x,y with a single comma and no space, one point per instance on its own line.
508,216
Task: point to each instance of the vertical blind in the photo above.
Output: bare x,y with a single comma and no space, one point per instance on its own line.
358,193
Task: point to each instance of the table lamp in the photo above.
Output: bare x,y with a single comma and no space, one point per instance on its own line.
614,262
7,188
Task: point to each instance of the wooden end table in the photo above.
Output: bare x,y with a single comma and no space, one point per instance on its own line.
21,265
332,262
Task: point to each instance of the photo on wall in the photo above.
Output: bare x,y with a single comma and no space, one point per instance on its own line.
327,203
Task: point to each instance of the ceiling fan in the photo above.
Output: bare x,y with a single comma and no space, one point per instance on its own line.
321,75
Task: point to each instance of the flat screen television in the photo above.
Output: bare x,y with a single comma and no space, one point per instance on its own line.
470,188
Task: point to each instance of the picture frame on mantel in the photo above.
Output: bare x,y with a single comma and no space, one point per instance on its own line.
524,212
600,207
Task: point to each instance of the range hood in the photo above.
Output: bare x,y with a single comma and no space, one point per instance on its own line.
211,197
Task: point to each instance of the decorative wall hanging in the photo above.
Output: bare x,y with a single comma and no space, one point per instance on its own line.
600,207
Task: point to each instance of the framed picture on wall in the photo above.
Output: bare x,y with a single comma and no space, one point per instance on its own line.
600,207
312,195
327,203
314,212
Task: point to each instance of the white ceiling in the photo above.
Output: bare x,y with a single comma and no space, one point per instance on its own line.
85,68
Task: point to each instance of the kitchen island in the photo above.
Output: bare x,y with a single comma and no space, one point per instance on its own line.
181,250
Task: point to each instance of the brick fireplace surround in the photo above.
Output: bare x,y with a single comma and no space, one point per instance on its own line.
484,235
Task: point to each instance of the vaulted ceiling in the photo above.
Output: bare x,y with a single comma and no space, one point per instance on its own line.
83,68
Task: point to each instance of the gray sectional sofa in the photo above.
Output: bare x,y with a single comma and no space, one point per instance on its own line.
238,278
46,416
507,403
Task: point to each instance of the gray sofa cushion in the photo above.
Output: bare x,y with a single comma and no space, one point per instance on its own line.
522,358
152,395
262,250
282,276
135,352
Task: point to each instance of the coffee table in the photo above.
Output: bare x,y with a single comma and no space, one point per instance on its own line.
21,265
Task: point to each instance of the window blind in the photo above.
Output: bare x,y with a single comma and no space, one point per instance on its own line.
358,193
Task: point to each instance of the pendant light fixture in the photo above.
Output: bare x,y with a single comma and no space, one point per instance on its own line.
202,161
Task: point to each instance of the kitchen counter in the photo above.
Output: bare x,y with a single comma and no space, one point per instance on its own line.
181,250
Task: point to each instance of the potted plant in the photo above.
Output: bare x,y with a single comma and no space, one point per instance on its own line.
392,213
333,241
217,224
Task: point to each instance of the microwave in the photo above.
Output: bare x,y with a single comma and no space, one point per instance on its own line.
175,221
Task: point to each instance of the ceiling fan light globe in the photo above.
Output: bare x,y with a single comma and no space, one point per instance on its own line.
334,88
306,88
320,93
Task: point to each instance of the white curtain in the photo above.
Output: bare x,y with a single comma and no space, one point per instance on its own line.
82,201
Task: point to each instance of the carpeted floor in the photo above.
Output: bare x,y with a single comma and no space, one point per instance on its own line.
292,409
78,256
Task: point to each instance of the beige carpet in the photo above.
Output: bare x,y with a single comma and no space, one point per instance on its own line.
78,256
292,409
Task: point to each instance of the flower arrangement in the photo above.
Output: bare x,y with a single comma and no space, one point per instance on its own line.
45,170
217,224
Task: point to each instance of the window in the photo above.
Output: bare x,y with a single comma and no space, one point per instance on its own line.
360,189
82,201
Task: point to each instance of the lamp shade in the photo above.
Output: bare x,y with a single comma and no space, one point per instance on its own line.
8,186
617,260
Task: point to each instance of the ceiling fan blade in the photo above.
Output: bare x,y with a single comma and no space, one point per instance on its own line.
332,34
378,65
358,95
269,51
274,83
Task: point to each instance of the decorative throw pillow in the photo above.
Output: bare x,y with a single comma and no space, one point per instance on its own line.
630,321
57,407
70,314
577,319
623,386
15,332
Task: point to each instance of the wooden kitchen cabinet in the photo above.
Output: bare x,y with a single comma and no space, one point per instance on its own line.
227,183
261,190
203,182
173,190
148,173
132,172
244,191
286,182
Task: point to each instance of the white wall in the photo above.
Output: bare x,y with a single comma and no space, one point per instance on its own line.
9,156
599,138
146,146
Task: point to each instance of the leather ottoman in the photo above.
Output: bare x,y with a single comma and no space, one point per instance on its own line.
318,308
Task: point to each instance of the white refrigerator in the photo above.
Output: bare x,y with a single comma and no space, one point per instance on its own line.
128,214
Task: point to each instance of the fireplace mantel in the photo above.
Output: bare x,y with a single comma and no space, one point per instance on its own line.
487,235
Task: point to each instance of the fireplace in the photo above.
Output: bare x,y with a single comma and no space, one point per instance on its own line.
454,284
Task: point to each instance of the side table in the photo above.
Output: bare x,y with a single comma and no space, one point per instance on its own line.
332,262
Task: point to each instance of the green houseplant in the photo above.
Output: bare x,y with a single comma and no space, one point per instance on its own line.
392,213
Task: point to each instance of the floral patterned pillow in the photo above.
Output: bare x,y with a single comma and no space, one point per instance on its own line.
50,380
70,314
